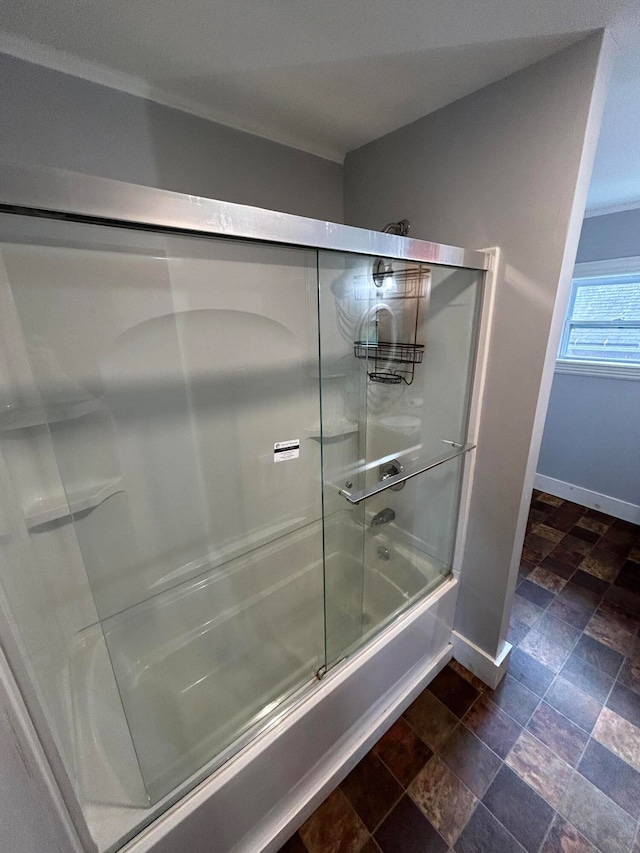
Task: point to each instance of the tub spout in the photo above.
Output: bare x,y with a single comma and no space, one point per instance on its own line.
385,516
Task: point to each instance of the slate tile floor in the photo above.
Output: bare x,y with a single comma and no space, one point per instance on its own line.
548,762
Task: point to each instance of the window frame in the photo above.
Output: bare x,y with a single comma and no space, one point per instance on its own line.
587,274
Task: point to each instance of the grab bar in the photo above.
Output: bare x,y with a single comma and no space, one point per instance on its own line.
390,482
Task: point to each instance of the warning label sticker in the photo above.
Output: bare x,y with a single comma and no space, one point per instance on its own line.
283,451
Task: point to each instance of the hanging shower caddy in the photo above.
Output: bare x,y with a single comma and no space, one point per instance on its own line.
392,361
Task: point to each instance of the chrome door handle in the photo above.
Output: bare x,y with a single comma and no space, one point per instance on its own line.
394,480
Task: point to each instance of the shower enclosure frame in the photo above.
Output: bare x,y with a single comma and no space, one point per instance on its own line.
66,195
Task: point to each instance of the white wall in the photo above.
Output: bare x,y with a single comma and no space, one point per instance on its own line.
592,432
506,166
54,119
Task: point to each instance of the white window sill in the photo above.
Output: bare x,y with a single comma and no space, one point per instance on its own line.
599,368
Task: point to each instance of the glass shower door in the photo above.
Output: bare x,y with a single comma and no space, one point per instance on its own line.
398,342
166,421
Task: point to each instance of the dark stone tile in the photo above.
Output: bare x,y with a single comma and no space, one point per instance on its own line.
536,594
581,709
600,657
629,577
625,703
524,570
558,567
468,675
543,649
572,614
563,837
563,518
407,830
577,544
614,777
606,631
484,834
472,762
551,534
630,675
579,509
530,672
578,595
618,540
592,524
587,535
602,563
598,515
540,768
558,733
619,736
497,729
525,611
536,515
402,752
334,826
621,524
430,720
518,808
590,582
629,601
597,817
619,617
566,555
370,847
443,798
561,633
546,579
453,691
371,790
515,699
294,845
535,548
542,508
517,632
591,681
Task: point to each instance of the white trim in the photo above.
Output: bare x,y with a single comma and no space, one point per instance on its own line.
605,370
488,669
607,209
475,406
586,497
609,266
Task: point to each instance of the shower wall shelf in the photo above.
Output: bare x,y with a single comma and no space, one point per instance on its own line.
332,429
60,506
24,417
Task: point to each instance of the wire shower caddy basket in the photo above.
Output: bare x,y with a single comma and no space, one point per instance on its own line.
392,362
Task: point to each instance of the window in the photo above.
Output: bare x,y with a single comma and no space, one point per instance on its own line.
602,325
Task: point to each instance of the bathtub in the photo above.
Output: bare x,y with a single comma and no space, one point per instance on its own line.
232,661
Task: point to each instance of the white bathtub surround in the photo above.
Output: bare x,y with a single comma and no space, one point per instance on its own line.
261,796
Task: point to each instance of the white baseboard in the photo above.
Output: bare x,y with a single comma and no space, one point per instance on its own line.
488,669
586,497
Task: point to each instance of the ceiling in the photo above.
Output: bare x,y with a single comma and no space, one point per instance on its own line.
329,76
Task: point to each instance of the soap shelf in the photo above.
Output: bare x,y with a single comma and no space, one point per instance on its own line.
332,429
60,506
